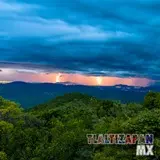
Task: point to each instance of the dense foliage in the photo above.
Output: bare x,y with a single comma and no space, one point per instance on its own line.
57,130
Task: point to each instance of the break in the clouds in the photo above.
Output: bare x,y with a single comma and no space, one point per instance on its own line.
107,38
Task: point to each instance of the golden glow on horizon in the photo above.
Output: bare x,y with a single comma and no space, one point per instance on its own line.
10,75
99,80
58,78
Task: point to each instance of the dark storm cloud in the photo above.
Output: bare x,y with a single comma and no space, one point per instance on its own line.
109,38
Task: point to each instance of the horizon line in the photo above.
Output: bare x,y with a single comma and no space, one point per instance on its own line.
70,83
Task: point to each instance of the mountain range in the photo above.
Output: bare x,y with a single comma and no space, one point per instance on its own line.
31,94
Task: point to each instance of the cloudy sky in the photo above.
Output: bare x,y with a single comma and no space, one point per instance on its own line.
96,42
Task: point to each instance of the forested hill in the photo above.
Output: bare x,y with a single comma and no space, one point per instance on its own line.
57,130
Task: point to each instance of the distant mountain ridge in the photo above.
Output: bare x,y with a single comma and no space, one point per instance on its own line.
31,94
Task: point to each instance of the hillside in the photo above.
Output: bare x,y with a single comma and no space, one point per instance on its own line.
57,130
31,94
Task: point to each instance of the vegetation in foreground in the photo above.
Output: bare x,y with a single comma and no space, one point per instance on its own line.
57,130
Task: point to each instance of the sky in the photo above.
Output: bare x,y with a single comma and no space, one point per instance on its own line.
96,42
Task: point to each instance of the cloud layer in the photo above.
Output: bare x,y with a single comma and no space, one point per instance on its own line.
112,38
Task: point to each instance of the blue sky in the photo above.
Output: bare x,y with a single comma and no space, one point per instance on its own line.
110,38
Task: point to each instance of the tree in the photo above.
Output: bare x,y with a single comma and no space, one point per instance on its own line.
3,156
152,100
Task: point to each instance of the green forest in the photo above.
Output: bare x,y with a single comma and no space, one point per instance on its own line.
57,130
